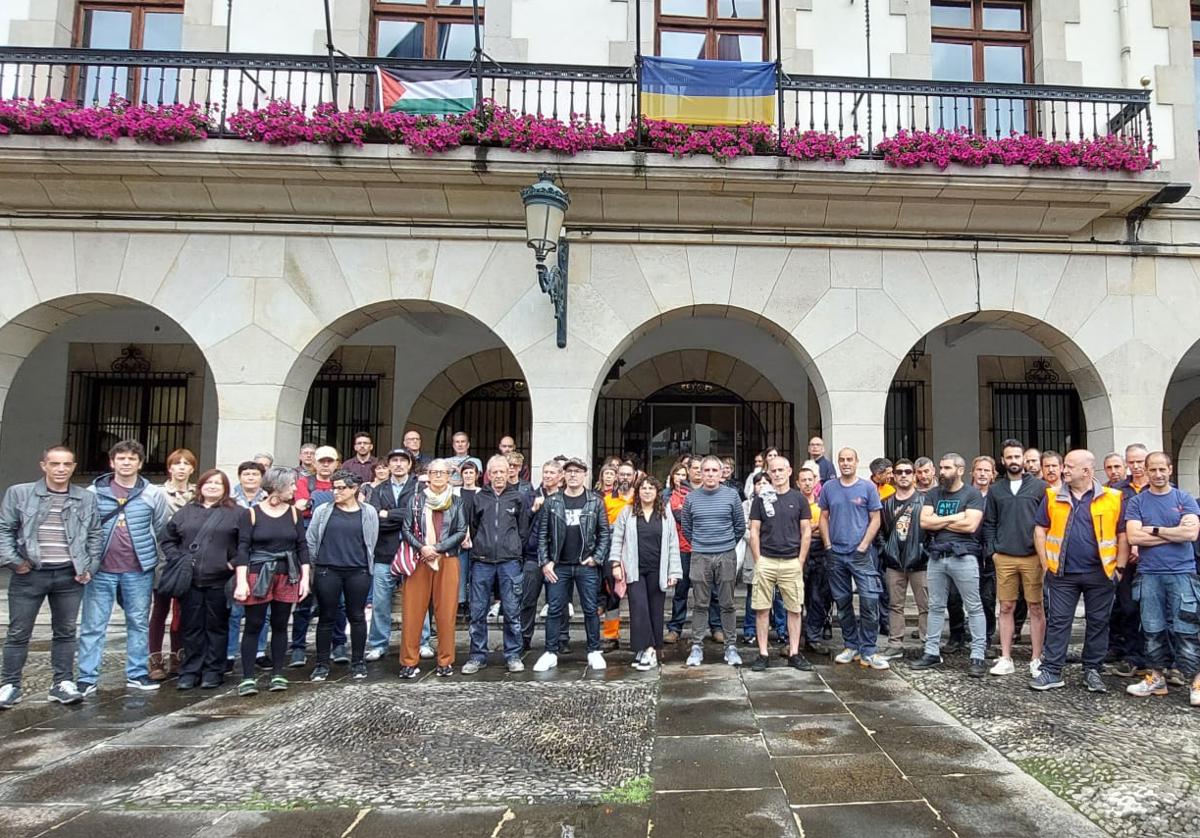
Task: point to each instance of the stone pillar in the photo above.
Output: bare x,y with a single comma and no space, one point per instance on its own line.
247,425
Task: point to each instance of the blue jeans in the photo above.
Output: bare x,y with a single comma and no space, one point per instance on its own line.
383,589
510,577
99,596
302,616
587,581
858,633
1168,603
464,575
964,572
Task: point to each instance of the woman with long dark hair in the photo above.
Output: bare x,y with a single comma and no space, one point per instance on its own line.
341,544
205,532
645,554
272,572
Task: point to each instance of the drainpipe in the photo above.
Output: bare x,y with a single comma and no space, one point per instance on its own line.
1126,43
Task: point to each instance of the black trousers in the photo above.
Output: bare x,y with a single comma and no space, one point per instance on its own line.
204,621
1062,595
1126,641
817,597
331,585
256,617
646,601
531,591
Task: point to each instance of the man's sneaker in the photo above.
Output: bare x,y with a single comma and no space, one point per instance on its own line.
846,656
493,613
1194,692
247,687
340,655
65,692
1153,684
891,652
977,668
1122,669
649,660
10,696
86,687
545,663
875,661
596,661
515,665
210,682
816,647
264,662
472,666
187,682
1175,678
732,657
696,656
760,664
749,640
799,662
142,682
409,672
373,654
278,684
1003,666
1093,681
1035,667
1045,681
926,661
297,659
358,671
427,652
444,671
320,673
672,637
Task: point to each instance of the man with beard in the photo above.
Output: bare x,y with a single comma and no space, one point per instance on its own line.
901,544
1052,464
925,474
1008,519
953,512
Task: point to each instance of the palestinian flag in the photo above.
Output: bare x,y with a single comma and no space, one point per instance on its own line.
434,92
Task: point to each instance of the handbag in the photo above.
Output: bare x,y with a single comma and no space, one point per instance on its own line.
407,557
176,577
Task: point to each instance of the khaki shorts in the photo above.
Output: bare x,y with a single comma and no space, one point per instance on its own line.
787,575
1014,573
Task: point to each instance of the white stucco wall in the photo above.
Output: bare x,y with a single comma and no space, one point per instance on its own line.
835,31
11,10
576,34
284,26
1095,42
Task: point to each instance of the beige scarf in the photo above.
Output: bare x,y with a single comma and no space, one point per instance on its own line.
435,503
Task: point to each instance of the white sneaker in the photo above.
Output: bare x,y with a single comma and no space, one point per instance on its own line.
373,654
596,660
546,662
494,612
1003,666
1035,667
544,612
427,652
570,610
846,656
696,657
874,662
649,659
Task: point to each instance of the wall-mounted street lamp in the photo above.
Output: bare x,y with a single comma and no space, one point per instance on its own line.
545,207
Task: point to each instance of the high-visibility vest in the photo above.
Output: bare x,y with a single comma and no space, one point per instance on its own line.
1105,510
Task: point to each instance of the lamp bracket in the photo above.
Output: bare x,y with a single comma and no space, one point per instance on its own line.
553,281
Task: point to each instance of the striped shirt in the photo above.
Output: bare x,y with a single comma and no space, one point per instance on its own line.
52,533
713,520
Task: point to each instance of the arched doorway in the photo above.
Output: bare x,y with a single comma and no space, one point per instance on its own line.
487,413
691,417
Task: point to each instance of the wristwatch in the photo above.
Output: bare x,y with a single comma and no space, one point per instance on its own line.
1154,531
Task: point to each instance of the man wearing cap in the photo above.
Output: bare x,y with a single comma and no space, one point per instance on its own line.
393,500
311,491
573,540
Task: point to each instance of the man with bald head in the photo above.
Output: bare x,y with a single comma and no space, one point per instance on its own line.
816,453
1126,641
1079,535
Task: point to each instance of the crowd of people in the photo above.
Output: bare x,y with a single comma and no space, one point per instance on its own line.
234,572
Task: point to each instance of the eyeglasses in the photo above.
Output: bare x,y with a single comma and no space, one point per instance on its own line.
902,471
437,471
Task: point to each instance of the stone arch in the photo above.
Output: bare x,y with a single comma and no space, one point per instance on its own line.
1187,461
454,382
653,374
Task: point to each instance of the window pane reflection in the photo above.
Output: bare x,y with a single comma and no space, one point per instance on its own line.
400,39
681,44
685,8
456,41
952,17
741,9
1003,18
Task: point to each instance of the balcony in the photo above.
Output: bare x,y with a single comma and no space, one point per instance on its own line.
629,186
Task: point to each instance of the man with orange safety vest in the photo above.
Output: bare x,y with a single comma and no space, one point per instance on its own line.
1079,535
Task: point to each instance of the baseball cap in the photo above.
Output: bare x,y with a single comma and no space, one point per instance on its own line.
326,452
575,462
402,452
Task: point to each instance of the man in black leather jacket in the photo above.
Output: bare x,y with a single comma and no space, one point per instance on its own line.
901,544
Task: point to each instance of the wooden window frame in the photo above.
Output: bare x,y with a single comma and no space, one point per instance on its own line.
977,37
430,14
137,33
712,26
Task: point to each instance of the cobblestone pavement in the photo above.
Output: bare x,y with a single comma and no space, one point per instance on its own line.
1130,765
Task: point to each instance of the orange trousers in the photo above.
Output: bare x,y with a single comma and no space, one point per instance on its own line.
423,587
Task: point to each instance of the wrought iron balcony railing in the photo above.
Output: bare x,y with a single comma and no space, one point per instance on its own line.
872,108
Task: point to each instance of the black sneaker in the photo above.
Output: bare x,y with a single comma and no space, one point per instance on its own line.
444,671
1093,681
186,682
229,665
760,664
142,682
1045,681
409,672
320,673
977,668
297,659
340,655
926,661
86,687
263,661
358,671
1121,668
798,662
749,640
210,683
953,647
64,692
816,647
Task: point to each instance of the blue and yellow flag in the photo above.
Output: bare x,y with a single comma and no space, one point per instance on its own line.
699,92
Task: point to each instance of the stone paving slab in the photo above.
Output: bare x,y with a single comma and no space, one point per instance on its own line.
843,778
724,814
704,716
712,762
940,750
793,736
895,820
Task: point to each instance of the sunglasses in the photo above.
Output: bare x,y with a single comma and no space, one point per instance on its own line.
902,471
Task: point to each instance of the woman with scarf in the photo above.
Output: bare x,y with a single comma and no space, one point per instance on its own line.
272,572
341,543
434,532
645,557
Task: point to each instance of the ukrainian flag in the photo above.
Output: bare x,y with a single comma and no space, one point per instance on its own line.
699,92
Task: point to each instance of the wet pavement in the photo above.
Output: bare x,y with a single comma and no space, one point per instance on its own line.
712,751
